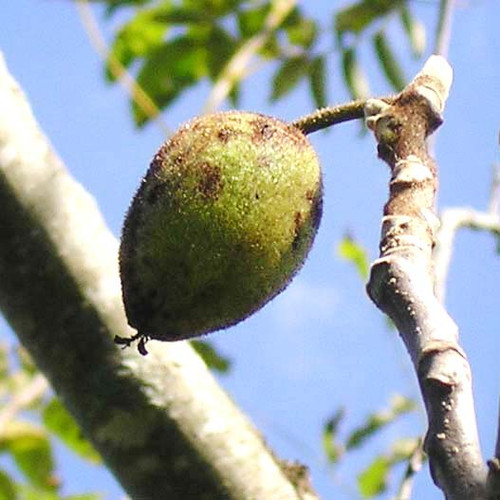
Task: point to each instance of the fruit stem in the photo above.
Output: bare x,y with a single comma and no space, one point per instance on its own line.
331,115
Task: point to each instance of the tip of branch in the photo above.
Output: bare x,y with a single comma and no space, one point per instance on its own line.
434,81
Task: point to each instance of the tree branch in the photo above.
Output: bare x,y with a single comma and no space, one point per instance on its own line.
402,280
161,423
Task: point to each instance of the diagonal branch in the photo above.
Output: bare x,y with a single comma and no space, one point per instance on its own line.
161,423
236,67
402,280
120,72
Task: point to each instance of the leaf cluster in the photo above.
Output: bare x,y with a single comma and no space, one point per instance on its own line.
170,46
374,479
30,419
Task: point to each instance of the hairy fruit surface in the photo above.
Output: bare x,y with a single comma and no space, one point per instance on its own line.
223,219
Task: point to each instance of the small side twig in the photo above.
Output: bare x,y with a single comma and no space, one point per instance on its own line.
414,465
37,387
452,220
494,203
443,31
128,82
332,115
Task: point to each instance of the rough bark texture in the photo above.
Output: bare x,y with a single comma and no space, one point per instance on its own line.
161,423
402,281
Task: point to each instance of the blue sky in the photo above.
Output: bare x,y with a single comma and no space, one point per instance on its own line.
321,343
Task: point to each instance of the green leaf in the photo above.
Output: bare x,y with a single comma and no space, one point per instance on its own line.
165,75
136,38
60,422
184,15
354,77
288,75
214,7
300,30
4,362
415,31
28,492
251,21
357,17
373,480
317,81
403,449
30,448
353,252
235,94
376,421
212,358
332,448
8,489
114,5
387,59
220,47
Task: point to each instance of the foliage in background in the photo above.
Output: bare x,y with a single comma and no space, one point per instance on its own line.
31,419
210,33
374,479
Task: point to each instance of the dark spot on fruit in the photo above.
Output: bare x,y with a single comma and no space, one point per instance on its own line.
224,134
256,196
297,226
262,130
297,220
210,183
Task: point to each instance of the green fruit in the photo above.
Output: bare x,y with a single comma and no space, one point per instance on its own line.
223,219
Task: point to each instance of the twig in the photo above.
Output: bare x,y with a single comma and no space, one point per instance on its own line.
443,31
494,203
452,220
36,388
401,280
414,465
331,115
119,72
236,67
